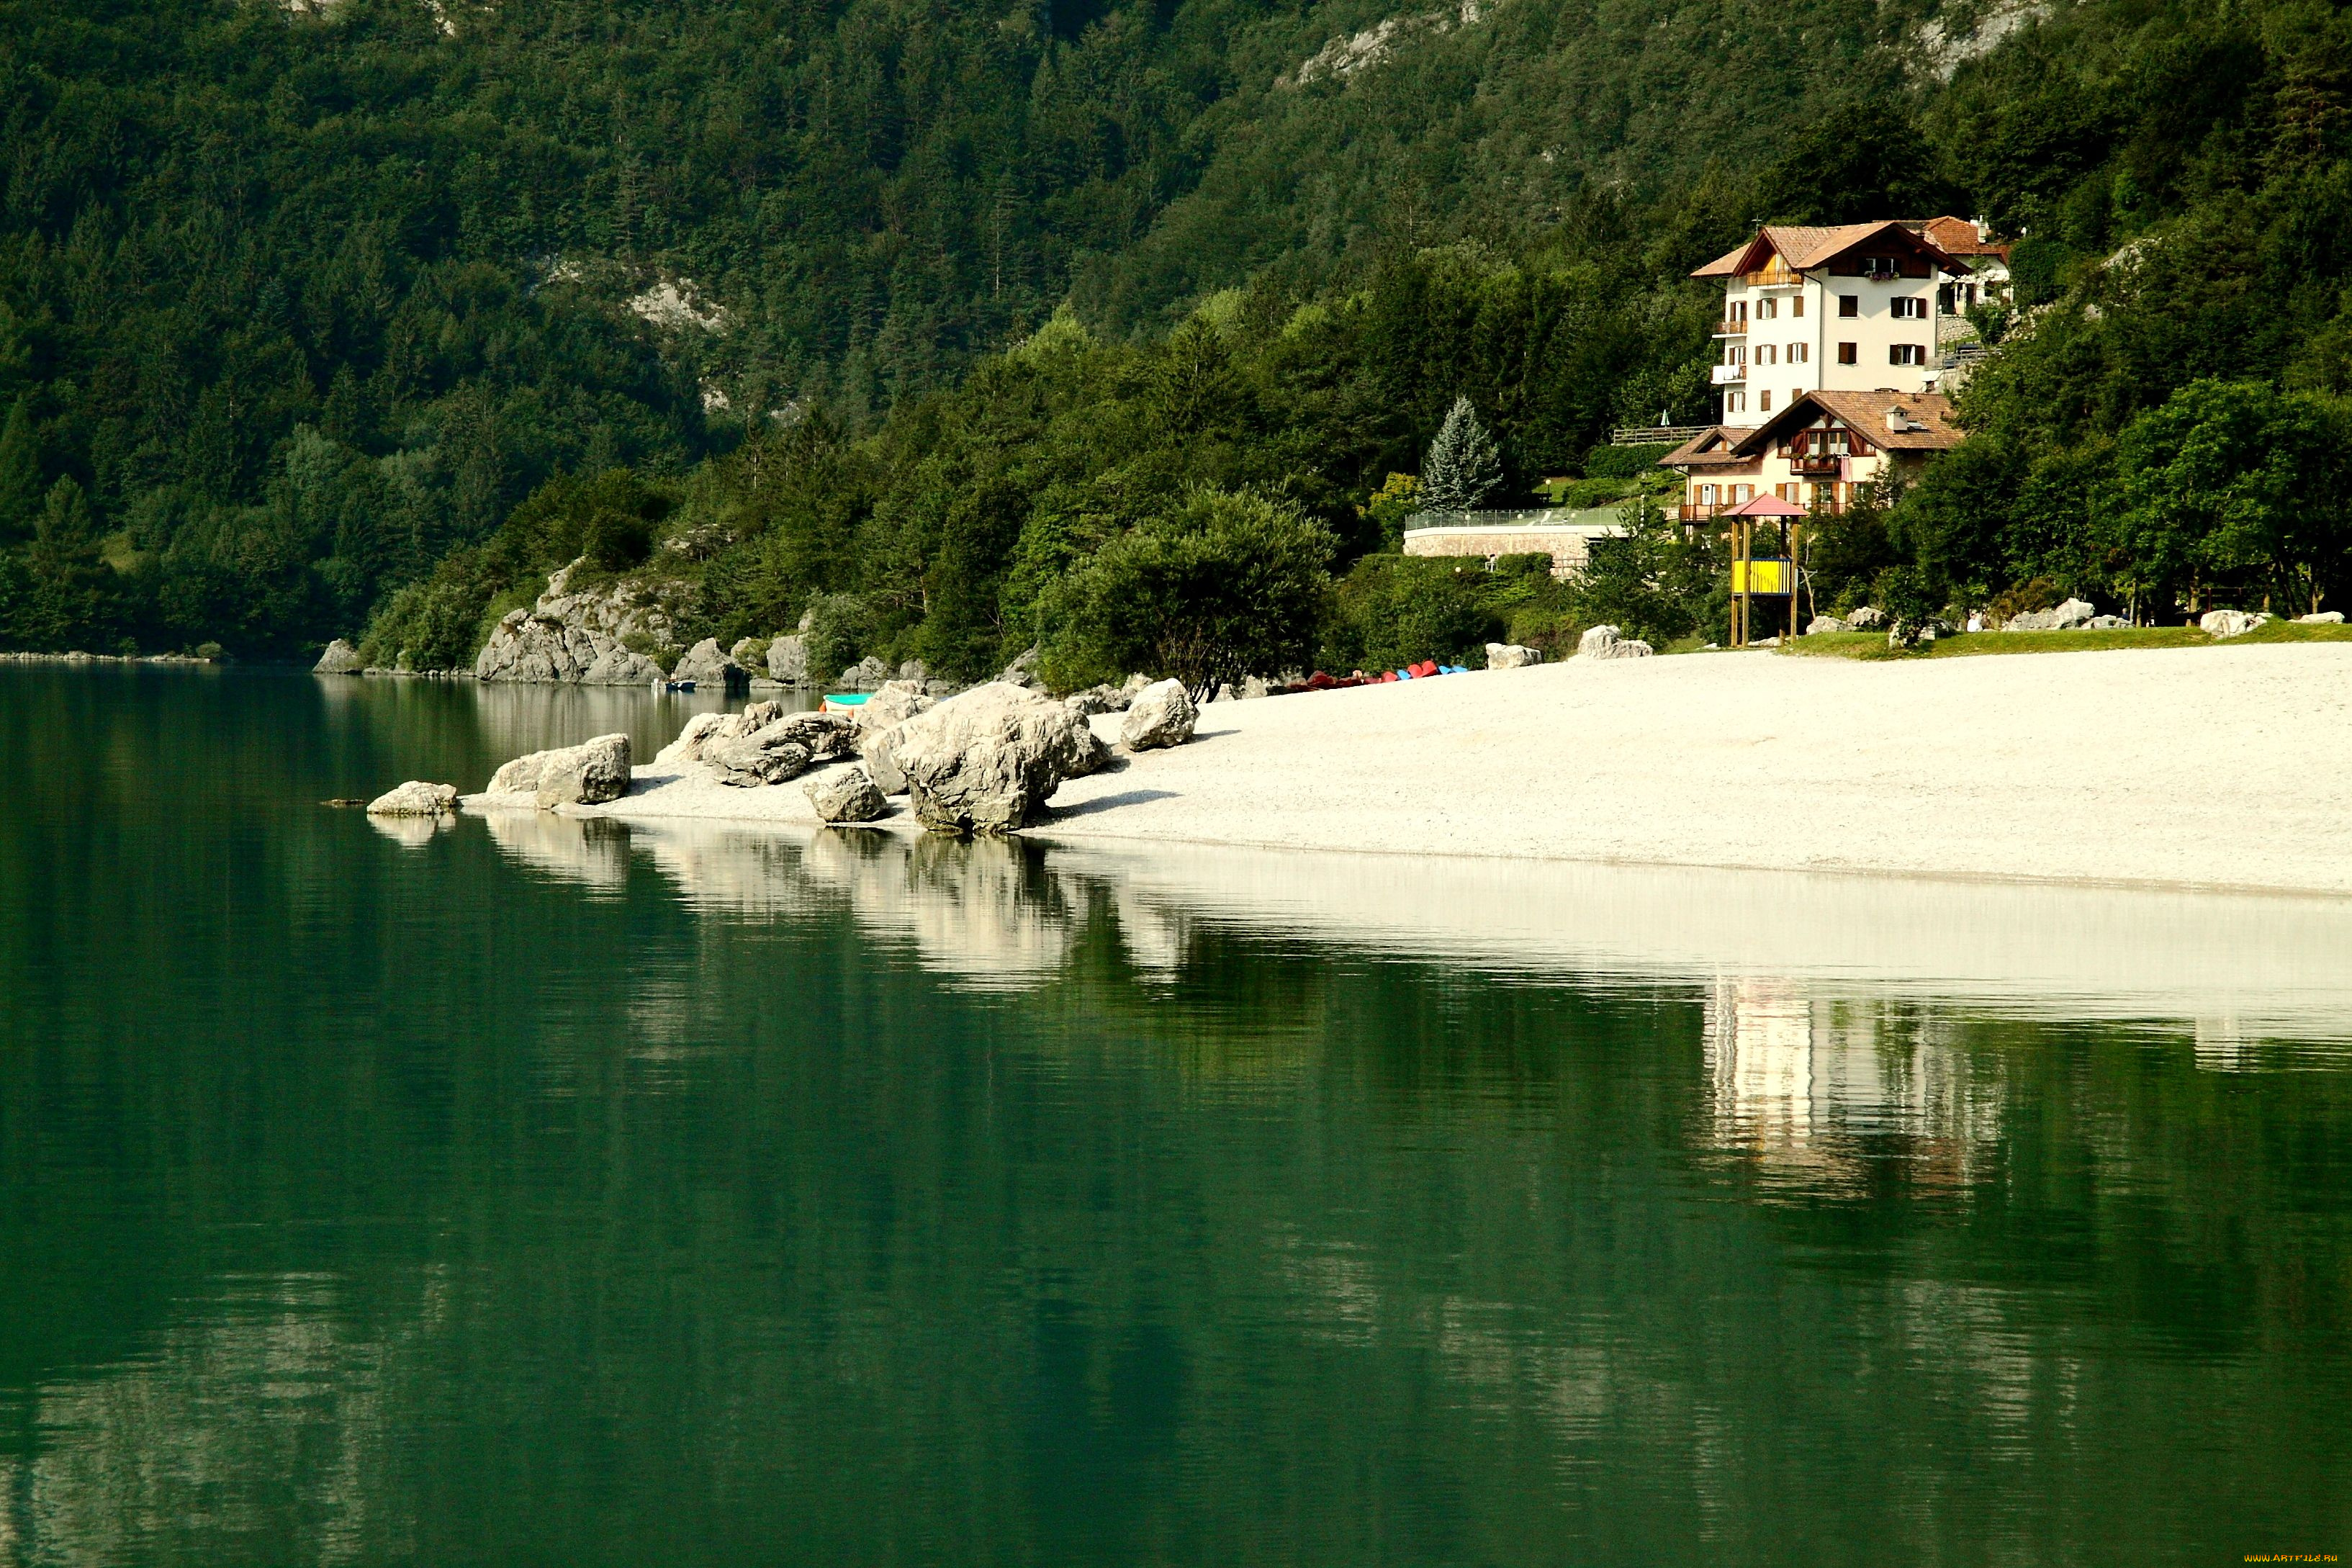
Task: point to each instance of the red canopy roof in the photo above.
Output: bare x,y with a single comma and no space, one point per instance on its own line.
1764,506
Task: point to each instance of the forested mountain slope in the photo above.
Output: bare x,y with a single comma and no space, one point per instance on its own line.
294,302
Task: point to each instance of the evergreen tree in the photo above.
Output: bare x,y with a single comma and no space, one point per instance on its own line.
20,472
1464,464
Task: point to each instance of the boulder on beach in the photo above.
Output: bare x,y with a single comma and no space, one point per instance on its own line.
706,664
2321,618
617,666
1512,656
415,798
1869,618
987,762
2103,623
1607,642
343,659
868,673
1821,624
2229,623
1021,671
1162,714
846,794
2072,615
895,703
768,756
586,774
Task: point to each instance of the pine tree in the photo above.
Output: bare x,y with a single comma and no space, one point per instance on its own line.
1464,463
20,472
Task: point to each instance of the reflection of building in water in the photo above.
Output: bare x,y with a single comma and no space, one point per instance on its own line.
2222,1047
1802,1082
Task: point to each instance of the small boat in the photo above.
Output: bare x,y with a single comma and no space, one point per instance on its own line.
662,686
843,701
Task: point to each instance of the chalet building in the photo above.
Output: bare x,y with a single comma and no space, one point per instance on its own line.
1971,244
1817,451
1850,309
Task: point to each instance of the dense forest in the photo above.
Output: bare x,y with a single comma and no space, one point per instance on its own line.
368,313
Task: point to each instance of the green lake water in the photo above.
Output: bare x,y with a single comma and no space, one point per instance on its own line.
545,1191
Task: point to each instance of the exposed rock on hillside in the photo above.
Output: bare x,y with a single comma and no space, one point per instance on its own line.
705,665
564,635
341,659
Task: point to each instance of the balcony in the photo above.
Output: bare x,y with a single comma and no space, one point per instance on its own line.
1726,373
1731,329
1817,465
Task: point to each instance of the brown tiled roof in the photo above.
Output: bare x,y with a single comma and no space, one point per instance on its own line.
1956,237
1804,248
1865,412
1723,440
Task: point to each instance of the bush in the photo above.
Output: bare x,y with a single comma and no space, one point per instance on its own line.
842,630
1395,610
1228,585
1608,462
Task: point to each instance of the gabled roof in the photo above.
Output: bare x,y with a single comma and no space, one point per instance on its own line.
1927,417
1712,446
1806,249
1957,236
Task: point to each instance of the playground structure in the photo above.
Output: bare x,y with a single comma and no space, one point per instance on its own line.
1755,576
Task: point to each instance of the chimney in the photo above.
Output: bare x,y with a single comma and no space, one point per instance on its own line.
1896,421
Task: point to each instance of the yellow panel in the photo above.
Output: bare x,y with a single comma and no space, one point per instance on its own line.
1759,576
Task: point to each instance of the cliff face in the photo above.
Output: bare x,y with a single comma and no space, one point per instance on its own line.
587,638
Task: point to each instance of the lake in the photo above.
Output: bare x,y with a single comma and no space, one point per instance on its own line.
546,1191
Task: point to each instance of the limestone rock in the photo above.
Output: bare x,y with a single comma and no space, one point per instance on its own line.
343,659
898,701
1867,618
986,761
1820,625
1225,693
415,798
587,774
847,795
788,659
2103,623
1163,715
1608,642
705,665
564,634
2321,618
616,666
868,673
751,653
524,646
1512,656
688,747
765,757
1021,671
2229,623
2069,617
913,670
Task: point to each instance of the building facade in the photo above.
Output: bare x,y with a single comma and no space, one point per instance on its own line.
1819,449
1850,309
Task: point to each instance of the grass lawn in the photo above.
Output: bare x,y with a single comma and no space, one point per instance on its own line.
1965,645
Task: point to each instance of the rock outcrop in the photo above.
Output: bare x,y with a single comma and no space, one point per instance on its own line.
1021,671
587,774
986,761
618,667
1512,656
343,659
2069,617
415,798
706,664
895,703
1162,714
760,746
2229,623
1608,642
788,659
868,673
846,794
564,634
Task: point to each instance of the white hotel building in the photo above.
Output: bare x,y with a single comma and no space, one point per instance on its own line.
1853,308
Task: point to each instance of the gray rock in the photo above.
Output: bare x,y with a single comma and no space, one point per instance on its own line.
846,794
2229,623
868,673
587,774
1021,671
699,731
1820,625
343,659
766,757
898,701
1225,693
1163,715
616,666
525,647
1512,656
415,798
913,670
2072,615
2103,623
751,653
2321,618
988,761
1255,686
788,659
561,637
1867,618
705,665
1608,642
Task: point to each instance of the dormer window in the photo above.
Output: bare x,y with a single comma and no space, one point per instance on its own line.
1879,267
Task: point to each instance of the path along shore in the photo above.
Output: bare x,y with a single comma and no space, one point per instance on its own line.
2213,767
